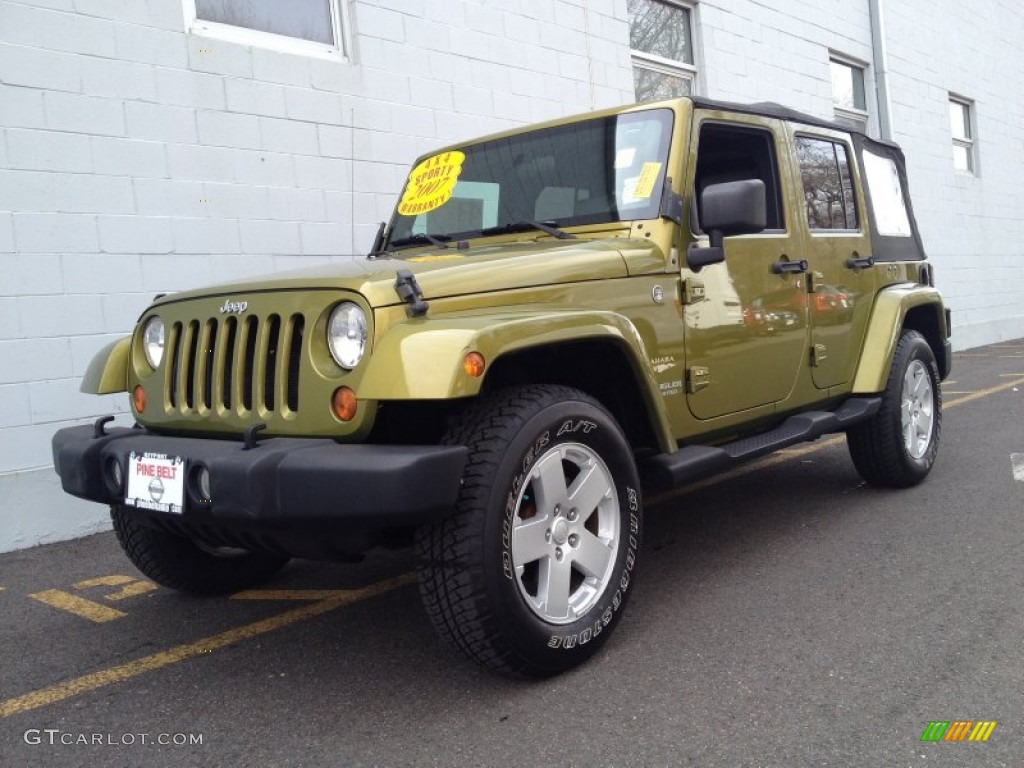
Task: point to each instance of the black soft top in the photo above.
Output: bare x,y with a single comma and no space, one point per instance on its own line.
884,247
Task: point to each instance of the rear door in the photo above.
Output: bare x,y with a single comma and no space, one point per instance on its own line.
837,246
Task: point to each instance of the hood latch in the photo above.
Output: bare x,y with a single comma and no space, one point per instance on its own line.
409,291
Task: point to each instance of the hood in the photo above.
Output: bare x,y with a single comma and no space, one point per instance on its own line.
450,272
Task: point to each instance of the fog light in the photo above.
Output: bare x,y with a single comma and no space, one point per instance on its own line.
473,364
139,398
344,404
115,474
203,482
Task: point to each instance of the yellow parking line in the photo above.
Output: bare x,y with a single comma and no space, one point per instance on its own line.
985,392
79,606
132,586
1008,375
115,580
122,672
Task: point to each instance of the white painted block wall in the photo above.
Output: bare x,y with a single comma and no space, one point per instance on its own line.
136,159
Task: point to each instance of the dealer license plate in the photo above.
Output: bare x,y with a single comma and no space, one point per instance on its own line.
156,481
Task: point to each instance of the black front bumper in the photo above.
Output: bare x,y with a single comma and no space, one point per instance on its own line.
284,485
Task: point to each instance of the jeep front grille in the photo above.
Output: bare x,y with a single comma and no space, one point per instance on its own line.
235,364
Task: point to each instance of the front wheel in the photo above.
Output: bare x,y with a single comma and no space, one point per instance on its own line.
188,566
530,574
896,447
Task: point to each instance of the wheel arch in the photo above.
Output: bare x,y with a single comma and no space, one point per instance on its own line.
600,353
602,368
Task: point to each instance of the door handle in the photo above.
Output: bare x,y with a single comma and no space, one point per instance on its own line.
783,267
856,262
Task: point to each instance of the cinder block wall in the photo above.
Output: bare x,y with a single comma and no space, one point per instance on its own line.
137,159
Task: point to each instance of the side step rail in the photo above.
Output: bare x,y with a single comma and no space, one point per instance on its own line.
692,462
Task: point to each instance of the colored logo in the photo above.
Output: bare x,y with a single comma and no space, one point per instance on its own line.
958,730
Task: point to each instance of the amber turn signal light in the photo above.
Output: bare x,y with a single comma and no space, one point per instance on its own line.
473,364
344,403
139,398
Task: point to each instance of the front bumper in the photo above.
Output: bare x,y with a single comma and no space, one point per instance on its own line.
289,485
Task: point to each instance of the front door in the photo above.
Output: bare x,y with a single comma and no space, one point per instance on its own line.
746,320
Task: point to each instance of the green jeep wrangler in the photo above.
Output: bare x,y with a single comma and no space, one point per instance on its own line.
555,320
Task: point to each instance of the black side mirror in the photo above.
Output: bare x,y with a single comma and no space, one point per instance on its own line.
731,208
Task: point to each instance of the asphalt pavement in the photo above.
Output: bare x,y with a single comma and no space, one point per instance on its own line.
783,615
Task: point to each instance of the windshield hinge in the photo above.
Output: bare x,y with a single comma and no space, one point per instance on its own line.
409,291
671,203
693,291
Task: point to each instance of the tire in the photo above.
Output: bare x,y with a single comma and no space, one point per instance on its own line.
527,578
184,565
896,447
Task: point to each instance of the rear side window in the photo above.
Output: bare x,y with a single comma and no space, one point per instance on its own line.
888,208
829,197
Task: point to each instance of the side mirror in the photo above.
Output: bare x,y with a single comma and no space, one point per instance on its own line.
731,208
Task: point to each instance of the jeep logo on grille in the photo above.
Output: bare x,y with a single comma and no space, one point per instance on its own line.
234,307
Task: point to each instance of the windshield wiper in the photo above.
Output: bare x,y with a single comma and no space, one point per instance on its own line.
441,241
525,225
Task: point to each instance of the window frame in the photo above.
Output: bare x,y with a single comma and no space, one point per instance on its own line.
673,67
851,171
257,38
860,117
968,143
775,150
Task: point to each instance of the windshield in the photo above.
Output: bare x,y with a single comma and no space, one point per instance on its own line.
590,172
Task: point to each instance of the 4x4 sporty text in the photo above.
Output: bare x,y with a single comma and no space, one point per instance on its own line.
554,319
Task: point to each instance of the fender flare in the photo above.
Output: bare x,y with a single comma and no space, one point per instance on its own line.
888,318
108,369
421,359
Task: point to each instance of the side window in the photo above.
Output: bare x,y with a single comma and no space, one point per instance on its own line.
887,206
828,185
735,153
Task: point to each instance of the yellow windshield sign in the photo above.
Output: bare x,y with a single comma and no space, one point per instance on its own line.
431,183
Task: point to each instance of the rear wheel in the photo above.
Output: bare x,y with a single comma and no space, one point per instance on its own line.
189,566
531,573
896,448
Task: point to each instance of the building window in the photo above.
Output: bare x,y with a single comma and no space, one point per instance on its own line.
963,135
848,96
828,186
661,40
314,26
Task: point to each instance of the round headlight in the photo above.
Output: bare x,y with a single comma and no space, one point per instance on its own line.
153,341
346,334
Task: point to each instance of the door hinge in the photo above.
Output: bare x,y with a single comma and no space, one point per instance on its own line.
819,353
693,291
815,282
697,378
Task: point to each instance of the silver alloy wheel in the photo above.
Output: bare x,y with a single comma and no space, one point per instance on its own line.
917,411
565,533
